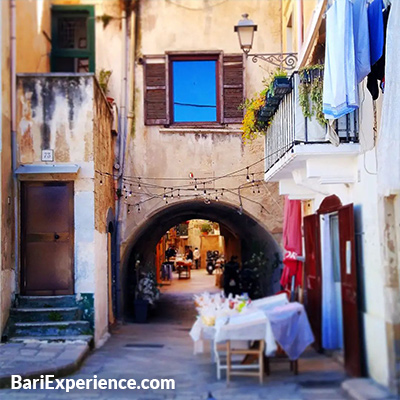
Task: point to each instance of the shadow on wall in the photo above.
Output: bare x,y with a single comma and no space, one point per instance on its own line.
254,238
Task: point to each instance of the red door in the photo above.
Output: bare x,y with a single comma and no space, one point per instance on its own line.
312,276
47,238
351,318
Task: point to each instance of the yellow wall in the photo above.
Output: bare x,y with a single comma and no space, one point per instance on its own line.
7,278
33,49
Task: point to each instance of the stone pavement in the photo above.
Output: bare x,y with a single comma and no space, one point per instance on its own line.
163,349
35,358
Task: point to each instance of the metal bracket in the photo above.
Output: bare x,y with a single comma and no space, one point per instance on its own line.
282,60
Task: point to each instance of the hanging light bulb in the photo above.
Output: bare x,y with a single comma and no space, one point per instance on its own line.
195,183
172,193
247,176
252,181
179,193
129,209
222,192
258,189
138,208
164,197
139,185
130,191
204,189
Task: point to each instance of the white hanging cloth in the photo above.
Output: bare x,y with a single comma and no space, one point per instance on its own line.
340,95
389,136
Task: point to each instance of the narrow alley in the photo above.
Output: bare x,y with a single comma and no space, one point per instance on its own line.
162,348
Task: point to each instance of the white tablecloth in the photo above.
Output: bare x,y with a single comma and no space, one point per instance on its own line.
271,319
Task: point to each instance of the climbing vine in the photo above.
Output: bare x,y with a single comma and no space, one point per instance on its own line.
310,92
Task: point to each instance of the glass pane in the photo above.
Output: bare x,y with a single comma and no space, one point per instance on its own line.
194,91
72,33
63,64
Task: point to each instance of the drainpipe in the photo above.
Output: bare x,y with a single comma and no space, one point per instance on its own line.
13,71
122,148
300,24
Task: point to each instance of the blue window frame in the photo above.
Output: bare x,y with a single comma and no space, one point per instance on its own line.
195,90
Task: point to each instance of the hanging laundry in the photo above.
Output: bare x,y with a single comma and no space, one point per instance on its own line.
361,39
378,69
376,31
340,95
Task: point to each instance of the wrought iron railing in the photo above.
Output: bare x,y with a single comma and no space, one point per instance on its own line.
289,127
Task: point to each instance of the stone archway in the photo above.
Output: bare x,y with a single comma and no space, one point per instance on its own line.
254,236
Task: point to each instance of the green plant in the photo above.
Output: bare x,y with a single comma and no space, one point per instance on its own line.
310,93
206,228
279,73
55,316
104,79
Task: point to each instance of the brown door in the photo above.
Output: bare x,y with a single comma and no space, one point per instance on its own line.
47,238
351,321
312,276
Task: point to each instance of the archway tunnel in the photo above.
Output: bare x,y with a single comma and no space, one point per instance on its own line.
235,226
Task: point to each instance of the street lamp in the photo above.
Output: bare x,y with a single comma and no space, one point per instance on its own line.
245,30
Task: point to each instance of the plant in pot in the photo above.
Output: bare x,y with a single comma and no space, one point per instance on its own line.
206,228
104,79
146,293
281,83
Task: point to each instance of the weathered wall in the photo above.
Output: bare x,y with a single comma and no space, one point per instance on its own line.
33,24
168,26
7,277
104,194
70,115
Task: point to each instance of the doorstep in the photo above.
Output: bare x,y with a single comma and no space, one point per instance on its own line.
366,389
34,358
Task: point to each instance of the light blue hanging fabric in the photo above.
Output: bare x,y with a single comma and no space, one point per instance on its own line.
361,39
340,95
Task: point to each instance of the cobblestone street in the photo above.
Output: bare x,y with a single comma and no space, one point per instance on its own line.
166,351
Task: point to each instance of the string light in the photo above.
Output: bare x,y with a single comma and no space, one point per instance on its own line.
179,193
129,209
247,175
139,185
195,184
258,188
138,208
204,186
172,193
165,196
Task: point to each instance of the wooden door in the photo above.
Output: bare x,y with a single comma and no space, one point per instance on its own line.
47,238
351,318
312,277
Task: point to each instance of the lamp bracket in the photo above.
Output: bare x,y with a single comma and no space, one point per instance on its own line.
282,60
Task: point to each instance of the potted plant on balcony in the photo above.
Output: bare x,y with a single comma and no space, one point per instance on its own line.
206,228
281,83
310,92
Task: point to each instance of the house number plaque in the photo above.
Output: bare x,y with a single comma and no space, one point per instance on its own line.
47,155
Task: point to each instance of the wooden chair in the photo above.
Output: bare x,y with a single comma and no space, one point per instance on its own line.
184,270
245,369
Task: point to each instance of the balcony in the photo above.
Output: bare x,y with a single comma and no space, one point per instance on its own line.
296,145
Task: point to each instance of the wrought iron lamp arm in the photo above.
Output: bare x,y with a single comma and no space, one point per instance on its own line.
282,60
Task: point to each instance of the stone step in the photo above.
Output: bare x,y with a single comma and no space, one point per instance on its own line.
45,329
56,314
45,301
71,338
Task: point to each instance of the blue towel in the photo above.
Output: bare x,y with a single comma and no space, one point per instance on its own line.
376,30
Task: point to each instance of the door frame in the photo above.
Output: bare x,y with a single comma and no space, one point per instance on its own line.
330,205
22,211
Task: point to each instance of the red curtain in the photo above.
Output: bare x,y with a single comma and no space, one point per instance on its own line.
292,242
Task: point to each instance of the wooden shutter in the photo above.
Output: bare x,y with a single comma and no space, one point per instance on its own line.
156,110
351,316
233,87
312,276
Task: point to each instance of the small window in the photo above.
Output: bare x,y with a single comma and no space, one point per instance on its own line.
194,90
200,89
72,39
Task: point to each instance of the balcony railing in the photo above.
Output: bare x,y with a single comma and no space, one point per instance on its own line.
290,127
